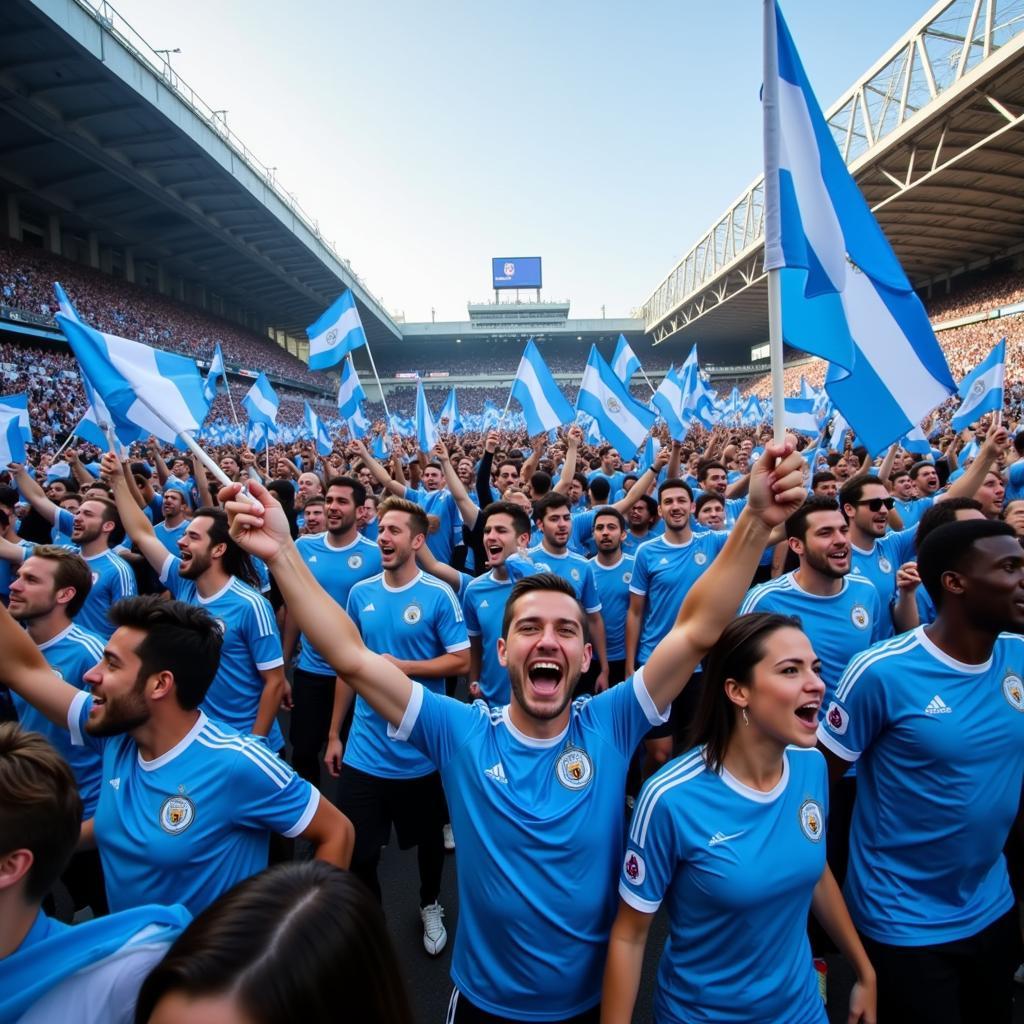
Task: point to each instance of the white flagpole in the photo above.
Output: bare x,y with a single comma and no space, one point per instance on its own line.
380,387
231,401
646,378
775,353
67,441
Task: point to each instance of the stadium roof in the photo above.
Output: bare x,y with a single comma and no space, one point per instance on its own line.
97,128
933,134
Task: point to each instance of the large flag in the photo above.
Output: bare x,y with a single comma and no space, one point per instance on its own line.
982,389
259,434
624,362
318,432
12,429
668,400
153,391
623,420
426,431
845,296
544,406
752,413
801,417
338,332
215,373
350,391
917,443
261,402
839,429
491,416
18,405
593,433
449,417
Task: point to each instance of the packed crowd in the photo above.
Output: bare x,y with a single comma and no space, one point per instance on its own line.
26,283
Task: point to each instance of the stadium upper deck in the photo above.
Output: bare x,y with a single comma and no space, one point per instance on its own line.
110,158
932,133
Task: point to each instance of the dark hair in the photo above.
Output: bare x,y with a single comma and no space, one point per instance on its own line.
520,520
540,483
283,490
546,581
796,524
553,499
599,488
302,941
851,491
507,462
824,477
581,479
651,503
40,809
357,489
738,650
141,469
70,570
182,639
674,483
918,466
9,496
947,547
706,465
604,450
939,514
418,522
316,499
706,498
897,474
236,560
609,510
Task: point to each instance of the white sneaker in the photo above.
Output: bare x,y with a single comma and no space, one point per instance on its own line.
435,936
1018,975
449,839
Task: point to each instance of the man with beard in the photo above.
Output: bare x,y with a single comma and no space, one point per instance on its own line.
213,572
48,592
338,559
93,529
170,530
535,903
613,572
187,804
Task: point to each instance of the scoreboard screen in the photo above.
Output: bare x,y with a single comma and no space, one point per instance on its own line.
516,272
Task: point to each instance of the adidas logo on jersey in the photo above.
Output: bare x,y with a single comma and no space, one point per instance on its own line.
484,604
719,838
497,773
116,783
369,608
312,559
664,561
937,706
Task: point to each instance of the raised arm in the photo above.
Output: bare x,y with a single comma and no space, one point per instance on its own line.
572,451
133,519
262,530
380,474
456,488
33,493
996,441
484,494
202,484
776,492
643,482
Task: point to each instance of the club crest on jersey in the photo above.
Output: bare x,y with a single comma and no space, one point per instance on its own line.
575,574
884,564
812,821
837,718
700,558
176,814
627,577
859,616
95,578
574,769
355,561
634,868
412,614
1013,691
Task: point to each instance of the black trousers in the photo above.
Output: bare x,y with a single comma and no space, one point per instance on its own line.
968,981
462,1011
312,703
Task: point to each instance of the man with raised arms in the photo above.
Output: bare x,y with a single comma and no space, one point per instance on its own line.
530,785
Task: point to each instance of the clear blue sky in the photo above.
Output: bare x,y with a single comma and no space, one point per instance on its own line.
427,138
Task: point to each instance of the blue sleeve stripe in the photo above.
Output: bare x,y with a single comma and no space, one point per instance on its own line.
687,768
889,648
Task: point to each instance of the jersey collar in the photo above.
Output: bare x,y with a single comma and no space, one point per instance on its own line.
756,795
56,639
179,748
531,741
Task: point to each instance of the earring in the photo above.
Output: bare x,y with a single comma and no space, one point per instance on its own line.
746,721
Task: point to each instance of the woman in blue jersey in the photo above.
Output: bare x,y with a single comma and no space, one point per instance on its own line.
732,834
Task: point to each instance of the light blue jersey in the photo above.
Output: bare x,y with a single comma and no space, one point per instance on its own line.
9,570
614,479
738,867
169,536
252,645
911,511
60,532
572,567
70,654
539,825
939,747
112,579
190,824
1014,482
416,622
336,570
440,504
484,608
879,564
839,626
613,589
663,574
631,543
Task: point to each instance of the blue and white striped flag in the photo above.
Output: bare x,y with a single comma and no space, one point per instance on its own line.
338,332
801,417
624,362
426,429
153,391
845,296
12,432
449,418
350,391
982,389
649,454
261,402
917,443
593,432
357,423
752,413
215,373
668,400
18,405
260,434
839,429
317,431
378,447
623,420
544,406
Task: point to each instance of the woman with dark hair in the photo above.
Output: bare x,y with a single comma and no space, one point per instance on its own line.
299,942
732,833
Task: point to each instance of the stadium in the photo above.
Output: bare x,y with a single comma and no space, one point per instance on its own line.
120,181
